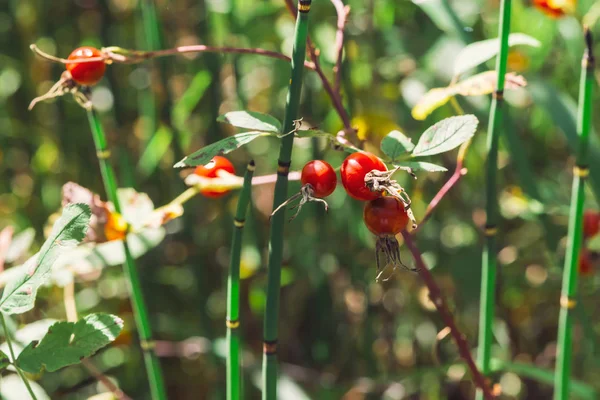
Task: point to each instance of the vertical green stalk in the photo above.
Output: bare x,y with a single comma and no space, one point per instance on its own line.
569,285
270,333
149,39
488,276
233,290
14,359
139,307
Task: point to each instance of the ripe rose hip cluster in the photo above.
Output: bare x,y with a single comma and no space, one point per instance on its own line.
364,177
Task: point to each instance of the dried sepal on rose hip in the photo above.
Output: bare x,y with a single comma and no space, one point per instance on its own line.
318,181
386,217
365,177
85,67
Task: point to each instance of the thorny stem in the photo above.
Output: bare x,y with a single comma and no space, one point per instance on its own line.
14,359
116,54
435,294
71,312
459,172
342,14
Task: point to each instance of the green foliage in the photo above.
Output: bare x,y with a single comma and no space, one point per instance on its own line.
223,146
396,144
479,52
67,343
446,135
19,294
251,120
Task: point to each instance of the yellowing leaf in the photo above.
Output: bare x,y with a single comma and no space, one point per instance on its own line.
477,85
433,99
485,83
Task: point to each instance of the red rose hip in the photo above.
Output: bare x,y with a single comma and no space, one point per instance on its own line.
211,170
353,172
86,73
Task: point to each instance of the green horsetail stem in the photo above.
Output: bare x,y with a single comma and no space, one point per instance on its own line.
488,275
270,334
234,382
574,242
140,311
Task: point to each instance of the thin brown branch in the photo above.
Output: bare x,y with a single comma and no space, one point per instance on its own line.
459,172
116,54
435,294
342,17
335,96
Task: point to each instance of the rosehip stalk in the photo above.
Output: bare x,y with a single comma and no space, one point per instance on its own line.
234,384
270,334
569,286
140,310
488,275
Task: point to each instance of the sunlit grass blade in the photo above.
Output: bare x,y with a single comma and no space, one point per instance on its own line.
574,242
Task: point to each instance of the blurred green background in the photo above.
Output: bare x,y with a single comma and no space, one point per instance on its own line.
341,334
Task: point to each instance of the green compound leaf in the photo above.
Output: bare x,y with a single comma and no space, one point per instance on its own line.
223,146
19,294
446,135
252,120
479,52
67,343
395,144
421,166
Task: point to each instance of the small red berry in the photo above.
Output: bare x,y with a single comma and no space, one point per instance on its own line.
211,170
353,172
591,223
86,73
320,176
585,266
385,216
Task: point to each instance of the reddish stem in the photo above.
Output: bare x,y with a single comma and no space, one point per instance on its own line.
335,97
435,294
342,14
458,173
138,56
